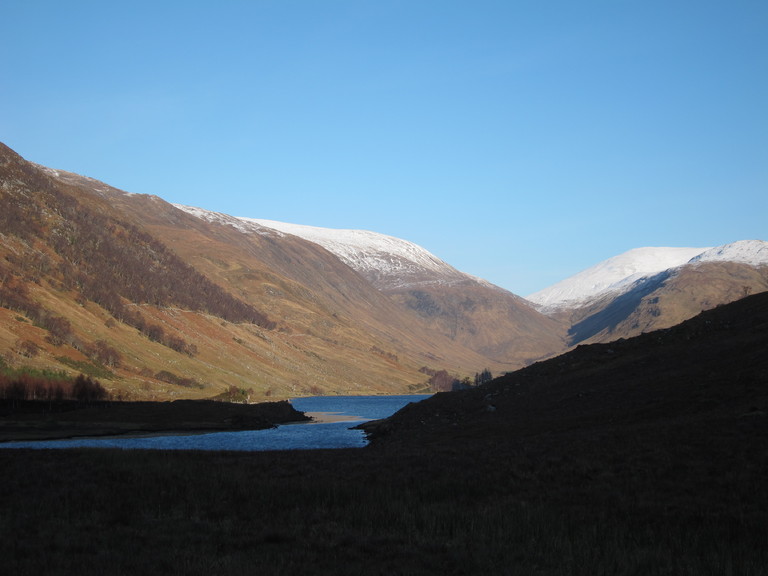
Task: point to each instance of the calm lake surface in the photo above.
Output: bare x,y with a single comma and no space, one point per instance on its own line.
334,417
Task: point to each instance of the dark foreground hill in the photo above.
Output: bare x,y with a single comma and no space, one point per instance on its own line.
711,370
645,456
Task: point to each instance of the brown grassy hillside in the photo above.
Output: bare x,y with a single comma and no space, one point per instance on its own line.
160,304
489,320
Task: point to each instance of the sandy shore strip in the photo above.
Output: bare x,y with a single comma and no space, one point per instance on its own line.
331,417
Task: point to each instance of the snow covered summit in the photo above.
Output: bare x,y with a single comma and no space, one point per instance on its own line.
386,261
612,275
618,274
753,252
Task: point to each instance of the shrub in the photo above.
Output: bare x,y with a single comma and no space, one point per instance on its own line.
105,354
27,348
86,390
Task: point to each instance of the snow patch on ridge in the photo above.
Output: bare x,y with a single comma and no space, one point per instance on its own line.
240,224
71,178
753,252
387,261
613,275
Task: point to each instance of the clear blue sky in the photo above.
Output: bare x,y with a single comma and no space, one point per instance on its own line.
521,141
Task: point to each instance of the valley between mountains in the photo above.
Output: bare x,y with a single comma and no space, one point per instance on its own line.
160,301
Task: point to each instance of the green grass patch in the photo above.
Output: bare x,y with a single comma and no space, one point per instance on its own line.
35,373
88,368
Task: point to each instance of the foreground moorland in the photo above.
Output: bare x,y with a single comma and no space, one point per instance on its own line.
644,456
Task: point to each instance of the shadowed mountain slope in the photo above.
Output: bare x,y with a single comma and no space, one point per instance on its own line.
663,300
707,373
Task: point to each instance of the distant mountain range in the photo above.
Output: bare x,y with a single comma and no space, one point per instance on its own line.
165,301
617,274
650,288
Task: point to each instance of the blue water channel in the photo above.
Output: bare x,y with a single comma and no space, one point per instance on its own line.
334,420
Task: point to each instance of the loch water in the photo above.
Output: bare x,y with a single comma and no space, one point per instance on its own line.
333,427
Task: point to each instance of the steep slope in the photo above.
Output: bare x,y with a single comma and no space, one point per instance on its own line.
161,303
468,311
669,298
633,292
86,289
486,319
312,291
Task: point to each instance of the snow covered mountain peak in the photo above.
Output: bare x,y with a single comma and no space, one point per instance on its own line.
753,252
612,275
386,261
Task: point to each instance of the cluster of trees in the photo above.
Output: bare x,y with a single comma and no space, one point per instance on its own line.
104,353
32,386
384,354
27,348
157,334
442,381
19,216
108,261
14,295
483,377
171,378
235,394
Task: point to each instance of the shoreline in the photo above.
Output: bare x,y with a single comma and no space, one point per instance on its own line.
32,421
